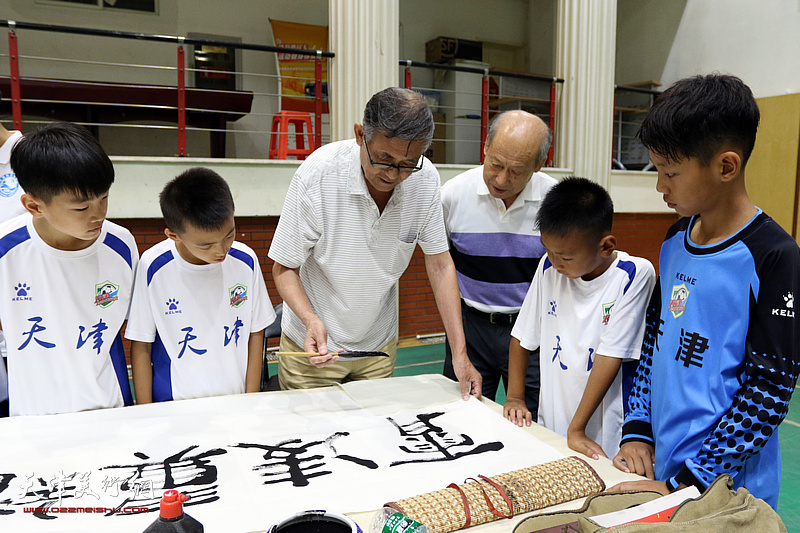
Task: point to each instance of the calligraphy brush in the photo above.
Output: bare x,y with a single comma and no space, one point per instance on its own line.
347,355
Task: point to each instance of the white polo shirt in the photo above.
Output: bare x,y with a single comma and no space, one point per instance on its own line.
349,254
495,249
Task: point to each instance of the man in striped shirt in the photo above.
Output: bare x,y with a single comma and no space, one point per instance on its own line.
490,216
354,213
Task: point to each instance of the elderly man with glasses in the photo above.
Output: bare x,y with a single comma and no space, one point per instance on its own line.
354,213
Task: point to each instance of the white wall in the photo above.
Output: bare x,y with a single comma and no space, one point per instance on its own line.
259,186
646,31
498,21
756,40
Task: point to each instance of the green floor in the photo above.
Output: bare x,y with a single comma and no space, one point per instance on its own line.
429,359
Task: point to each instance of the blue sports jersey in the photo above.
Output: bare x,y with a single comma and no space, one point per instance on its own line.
719,360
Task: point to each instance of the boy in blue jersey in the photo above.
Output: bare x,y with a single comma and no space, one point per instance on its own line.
720,356
200,305
66,277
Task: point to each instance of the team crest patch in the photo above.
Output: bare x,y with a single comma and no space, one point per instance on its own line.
677,302
238,294
8,185
105,294
607,312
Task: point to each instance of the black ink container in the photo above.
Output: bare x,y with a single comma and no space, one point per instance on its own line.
316,521
171,518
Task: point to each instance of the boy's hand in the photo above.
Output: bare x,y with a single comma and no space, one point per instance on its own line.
637,458
655,486
578,441
517,412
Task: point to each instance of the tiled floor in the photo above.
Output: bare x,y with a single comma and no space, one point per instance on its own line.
428,359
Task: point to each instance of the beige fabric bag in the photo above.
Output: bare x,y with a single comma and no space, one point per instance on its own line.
718,510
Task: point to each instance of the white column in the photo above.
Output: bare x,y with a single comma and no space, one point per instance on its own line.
585,60
364,35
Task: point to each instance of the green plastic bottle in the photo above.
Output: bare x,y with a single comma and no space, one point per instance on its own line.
388,520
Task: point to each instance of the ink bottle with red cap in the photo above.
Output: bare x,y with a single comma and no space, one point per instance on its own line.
171,518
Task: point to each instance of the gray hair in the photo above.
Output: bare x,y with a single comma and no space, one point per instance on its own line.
544,149
400,113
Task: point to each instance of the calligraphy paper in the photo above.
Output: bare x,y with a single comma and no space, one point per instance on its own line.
246,460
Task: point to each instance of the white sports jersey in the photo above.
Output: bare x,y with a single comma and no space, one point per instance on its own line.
61,313
10,207
199,319
572,320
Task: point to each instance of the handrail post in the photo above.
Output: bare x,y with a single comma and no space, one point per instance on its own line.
181,100
13,59
552,121
318,100
484,110
407,75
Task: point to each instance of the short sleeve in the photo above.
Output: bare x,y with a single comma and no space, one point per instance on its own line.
263,312
141,324
528,327
622,338
298,228
432,235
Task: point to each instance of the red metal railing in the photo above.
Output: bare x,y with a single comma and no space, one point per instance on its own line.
13,54
485,105
180,88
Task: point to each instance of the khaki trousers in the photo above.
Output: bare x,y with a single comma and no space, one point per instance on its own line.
299,373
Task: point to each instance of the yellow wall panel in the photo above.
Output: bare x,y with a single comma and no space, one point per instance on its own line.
771,173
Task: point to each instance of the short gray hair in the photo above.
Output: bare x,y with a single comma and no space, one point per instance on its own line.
400,113
544,149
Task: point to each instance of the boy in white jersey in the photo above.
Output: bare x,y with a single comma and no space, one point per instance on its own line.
585,312
200,305
66,277
10,207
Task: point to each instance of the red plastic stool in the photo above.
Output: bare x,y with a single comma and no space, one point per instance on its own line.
279,138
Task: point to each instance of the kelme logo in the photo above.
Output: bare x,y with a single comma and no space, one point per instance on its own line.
106,293
677,302
238,294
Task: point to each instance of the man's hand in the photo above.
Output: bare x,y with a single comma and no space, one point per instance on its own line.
578,441
317,341
636,457
468,377
655,486
517,412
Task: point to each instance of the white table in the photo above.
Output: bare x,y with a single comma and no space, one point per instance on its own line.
387,396
223,451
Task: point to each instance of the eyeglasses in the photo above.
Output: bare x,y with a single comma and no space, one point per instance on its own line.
402,169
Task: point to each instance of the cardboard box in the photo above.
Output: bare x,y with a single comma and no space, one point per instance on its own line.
444,49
